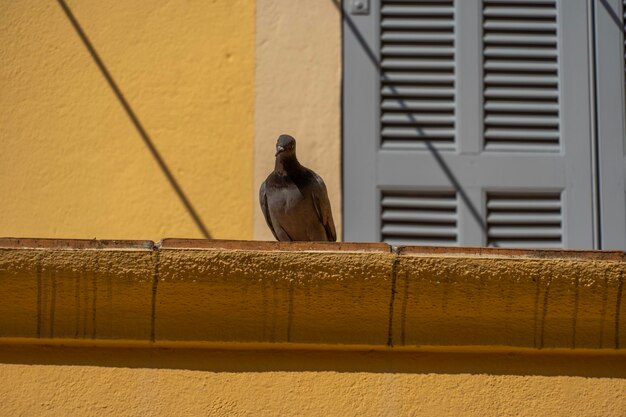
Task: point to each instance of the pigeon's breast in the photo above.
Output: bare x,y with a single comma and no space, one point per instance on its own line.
288,199
292,208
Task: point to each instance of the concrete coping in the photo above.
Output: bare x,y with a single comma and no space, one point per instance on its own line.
372,295
219,244
74,244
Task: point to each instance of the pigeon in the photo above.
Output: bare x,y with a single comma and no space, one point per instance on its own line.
294,199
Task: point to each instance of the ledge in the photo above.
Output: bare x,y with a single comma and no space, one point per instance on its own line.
364,295
195,244
74,244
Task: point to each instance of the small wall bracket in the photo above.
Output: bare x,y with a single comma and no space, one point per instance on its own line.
359,6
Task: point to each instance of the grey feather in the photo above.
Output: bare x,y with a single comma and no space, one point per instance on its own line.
266,213
294,199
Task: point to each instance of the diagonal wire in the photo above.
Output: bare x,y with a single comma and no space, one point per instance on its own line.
433,150
133,117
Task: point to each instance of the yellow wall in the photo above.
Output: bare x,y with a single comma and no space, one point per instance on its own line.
213,84
68,381
71,162
298,91
197,327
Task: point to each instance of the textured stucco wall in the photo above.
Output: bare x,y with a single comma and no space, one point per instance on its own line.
58,381
199,327
298,91
71,162
310,293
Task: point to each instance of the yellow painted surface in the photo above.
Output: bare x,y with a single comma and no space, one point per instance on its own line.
298,91
90,294
575,303
308,297
73,165
228,332
54,381
256,296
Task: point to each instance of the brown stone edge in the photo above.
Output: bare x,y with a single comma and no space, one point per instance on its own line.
208,244
273,246
602,255
73,244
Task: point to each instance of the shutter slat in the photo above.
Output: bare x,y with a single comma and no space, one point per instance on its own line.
417,24
520,106
519,12
412,50
516,120
425,37
526,93
418,132
523,204
421,78
408,241
429,105
419,218
521,146
423,230
417,143
505,52
530,66
417,91
514,38
448,2
526,244
417,58
525,232
529,80
416,10
514,25
517,134
424,119
407,201
513,3
523,218
417,64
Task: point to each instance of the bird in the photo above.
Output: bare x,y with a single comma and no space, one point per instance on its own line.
294,199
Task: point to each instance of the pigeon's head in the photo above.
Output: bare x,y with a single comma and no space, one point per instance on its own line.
286,145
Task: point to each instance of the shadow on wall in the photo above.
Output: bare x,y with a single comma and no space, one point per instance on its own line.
135,120
607,364
613,15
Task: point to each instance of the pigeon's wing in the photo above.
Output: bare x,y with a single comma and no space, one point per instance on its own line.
265,209
322,208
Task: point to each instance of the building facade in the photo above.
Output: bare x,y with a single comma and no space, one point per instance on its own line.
150,120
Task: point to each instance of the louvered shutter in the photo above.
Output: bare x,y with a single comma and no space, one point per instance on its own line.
524,220
521,70
419,218
417,83
461,125
610,24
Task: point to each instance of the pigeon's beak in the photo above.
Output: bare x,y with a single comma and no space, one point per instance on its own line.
279,149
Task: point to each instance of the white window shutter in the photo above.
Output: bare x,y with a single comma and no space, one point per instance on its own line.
461,126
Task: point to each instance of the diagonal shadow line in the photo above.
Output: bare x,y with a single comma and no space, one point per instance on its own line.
133,117
614,16
433,150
